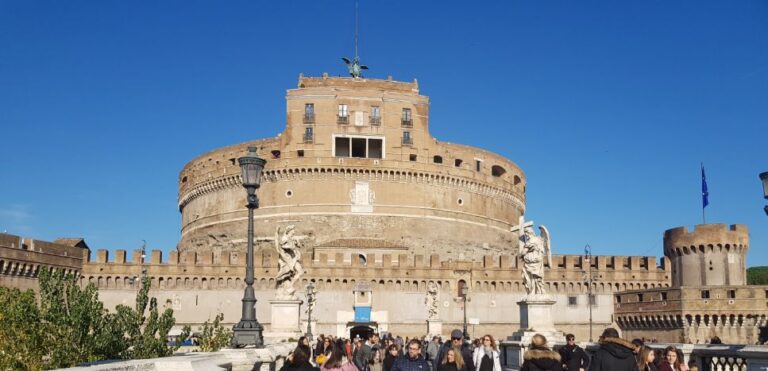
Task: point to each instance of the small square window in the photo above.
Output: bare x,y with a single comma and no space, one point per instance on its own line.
731,294
573,301
300,153
705,294
457,162
412,157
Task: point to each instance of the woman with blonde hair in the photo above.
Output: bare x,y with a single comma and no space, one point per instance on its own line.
453,361
539,357
486,356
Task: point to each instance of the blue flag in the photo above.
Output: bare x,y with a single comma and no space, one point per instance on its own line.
704,192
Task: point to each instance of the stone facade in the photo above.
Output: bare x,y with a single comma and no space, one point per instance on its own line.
21,259
709,296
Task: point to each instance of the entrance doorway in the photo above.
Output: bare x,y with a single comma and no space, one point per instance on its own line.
362,331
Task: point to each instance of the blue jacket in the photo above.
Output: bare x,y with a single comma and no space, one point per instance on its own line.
405,363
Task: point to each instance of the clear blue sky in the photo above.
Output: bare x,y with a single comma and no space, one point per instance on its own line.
609,107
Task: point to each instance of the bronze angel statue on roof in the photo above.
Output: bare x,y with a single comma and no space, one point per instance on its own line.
354,67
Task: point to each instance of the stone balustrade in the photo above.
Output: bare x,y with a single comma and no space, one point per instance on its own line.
270,358
709,357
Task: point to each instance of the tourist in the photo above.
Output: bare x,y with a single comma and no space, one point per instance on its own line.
432,348
325,352
574,358
486,356
540,358
299,360
338,360
671,361
614,353
348,348
362,354
457,343
377,360
452,362
693,366
320,345
412,360
393,352
645,359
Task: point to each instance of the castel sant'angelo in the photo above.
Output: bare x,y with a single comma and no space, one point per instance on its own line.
385,215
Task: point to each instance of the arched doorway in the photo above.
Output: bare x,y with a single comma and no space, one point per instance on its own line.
362,331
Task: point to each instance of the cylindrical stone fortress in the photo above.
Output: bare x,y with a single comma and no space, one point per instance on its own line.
357,162
711,255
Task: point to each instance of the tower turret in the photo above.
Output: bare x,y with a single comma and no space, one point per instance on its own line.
711,255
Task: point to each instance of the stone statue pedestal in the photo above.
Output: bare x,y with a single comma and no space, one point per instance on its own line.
535,318
285,320
434,328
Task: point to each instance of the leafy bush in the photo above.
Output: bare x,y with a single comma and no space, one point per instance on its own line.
214,336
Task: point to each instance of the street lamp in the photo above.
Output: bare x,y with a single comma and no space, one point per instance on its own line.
464,294
249,331
589,277
311,298
764,178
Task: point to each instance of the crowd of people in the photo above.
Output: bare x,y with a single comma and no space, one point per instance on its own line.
393,353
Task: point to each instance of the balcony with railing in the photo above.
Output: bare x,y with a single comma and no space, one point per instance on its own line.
309,118
343,120
375,120
309,137
407,123
407,141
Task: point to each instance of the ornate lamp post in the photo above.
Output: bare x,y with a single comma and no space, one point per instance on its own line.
764,178
464,294
249,331
311,298
589,278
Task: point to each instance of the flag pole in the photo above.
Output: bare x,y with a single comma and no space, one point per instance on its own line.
704,195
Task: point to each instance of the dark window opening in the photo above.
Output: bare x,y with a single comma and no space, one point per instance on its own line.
477,165
412,157
705,294
300,153
375,148
184,179
358,147
731,294
457,162
497,170
618,299
275,154
639,298
437,159
663,295
517,180
233,161
342,147
572,301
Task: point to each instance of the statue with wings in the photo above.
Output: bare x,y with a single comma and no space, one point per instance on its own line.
289,262
354,67
534,250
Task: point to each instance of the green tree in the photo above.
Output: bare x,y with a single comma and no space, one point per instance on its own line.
147,335
22,341
77,325
757,276
214,336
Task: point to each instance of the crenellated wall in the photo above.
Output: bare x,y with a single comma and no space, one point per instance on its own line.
710,255
21,259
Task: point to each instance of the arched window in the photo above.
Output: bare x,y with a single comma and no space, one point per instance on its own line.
497,170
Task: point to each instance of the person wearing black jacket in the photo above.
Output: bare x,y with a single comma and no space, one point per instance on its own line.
615,353
389,359
457,337
540,358
574,358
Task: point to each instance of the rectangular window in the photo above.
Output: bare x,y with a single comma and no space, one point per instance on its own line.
639,298
407,140
664,295
573,301
309,134
406,119
343,111
358,147
705,294
374,148
309,113
342,147
478,165
618,299
375,115
731,294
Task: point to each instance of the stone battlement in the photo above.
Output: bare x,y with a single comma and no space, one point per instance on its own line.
359,83
679,241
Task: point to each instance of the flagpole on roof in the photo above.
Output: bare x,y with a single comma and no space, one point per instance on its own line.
704,195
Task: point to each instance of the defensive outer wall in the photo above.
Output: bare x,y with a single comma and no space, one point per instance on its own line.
198,285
